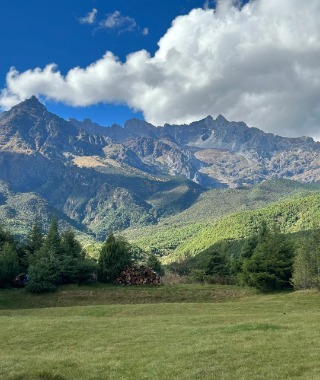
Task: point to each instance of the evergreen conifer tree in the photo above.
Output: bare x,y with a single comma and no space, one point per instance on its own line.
270,266
52,267
9,263
218,264
155,264
115,255
70,246
52,241
306,267
303,270
34,241
44,274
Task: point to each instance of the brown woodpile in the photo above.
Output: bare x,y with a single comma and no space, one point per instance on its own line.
138,276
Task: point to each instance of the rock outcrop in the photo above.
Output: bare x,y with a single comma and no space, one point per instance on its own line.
96,178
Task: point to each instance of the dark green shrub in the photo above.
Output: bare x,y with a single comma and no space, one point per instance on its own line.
270,266
115,255
155,264
44,274
9,263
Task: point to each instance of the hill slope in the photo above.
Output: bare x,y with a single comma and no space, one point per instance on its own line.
96,179
177,238
49,166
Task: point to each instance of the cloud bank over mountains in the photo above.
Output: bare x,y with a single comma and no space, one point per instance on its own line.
258,63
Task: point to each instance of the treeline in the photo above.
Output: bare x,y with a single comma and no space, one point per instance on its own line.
267,260
190,239
44,261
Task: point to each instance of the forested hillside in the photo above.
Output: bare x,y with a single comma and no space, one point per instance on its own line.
231,214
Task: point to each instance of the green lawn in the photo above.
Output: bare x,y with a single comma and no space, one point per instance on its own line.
203,332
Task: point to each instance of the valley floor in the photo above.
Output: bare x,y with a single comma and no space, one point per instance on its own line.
169,332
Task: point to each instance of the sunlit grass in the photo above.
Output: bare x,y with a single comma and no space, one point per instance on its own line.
249,337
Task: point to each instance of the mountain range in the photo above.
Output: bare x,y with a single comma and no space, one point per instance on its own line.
98,178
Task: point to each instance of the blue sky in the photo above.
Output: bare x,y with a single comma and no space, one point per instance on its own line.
37,32
172,61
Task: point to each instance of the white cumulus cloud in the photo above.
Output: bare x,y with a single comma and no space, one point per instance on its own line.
258,63
90,18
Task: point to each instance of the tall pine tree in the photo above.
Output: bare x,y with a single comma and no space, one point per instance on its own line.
269,267
115,255
34,241
52,241
9,263
306,267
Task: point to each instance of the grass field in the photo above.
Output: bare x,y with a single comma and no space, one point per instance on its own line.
170,332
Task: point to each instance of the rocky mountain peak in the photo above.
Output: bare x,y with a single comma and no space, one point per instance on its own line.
117,177
221,119
139,128
29,128
212,151
32,106
33,101
30,116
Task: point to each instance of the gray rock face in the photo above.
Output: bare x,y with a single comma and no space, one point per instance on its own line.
218,153
113,177
89,180
29,128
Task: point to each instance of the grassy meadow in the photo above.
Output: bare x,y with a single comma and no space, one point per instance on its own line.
168,332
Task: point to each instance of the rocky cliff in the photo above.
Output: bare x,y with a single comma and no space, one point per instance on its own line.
96,178
215,152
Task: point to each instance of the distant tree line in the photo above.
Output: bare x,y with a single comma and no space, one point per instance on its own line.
268,260
44,261
274,261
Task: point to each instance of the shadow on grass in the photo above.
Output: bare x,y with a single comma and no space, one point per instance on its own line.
43,375
252,327
102,294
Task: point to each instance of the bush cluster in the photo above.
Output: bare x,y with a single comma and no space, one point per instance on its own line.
58,258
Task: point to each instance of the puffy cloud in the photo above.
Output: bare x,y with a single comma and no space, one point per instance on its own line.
258,63
119,22
90,17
